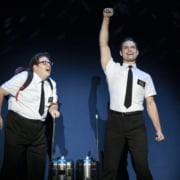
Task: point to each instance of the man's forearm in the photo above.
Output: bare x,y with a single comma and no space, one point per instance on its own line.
154,115
104,32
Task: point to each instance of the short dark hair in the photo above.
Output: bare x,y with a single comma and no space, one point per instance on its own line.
35,59
128,39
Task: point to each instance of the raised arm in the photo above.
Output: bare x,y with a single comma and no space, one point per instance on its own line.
153,114
105,52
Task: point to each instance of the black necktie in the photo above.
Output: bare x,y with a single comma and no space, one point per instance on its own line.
41,107
128,97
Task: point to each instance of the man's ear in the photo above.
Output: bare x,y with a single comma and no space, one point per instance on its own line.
35,67
137,52
120,53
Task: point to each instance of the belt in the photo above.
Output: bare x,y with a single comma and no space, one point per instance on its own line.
125,113
24,118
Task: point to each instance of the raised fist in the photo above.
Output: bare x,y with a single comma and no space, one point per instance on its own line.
108,12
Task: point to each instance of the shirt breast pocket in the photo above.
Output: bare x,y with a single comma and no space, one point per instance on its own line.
141,83
49,96
50,99
139,88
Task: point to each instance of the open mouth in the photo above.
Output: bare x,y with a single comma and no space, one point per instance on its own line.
129,54
48,70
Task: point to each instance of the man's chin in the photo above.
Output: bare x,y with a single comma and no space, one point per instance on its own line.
130,60
48,73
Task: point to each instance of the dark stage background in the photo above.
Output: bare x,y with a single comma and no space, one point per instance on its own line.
69,31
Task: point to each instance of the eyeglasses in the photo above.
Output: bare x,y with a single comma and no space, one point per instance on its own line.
46,63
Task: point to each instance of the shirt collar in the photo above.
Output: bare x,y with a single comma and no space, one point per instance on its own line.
125,65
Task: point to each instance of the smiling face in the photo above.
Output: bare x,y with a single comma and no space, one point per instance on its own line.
43,67
129,51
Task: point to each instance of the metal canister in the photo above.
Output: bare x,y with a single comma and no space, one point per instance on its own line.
61,167
69,170
54,169
87,168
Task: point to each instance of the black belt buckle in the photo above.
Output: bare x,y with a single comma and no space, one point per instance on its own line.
124,114
130,113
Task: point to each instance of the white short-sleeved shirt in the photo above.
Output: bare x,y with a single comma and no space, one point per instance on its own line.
116,76
28,101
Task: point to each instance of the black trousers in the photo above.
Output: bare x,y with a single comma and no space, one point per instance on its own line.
122,172
24,149
121,128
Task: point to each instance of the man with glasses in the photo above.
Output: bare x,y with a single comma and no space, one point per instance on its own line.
25,141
